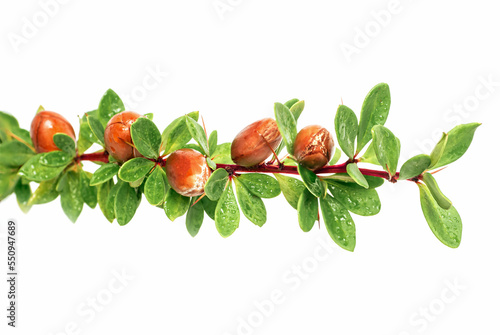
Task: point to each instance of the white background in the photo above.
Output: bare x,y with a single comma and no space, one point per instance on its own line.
232,64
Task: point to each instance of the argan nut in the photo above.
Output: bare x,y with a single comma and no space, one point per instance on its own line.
253,144
313,147
117,138
43,128
187,172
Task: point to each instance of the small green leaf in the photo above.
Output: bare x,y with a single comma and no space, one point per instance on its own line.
194,218
176,135
346,127
459,140
445,224
291,102
104,173
149,116
71,196
286,125
227,213
252,206
297,108
212,142
438,150
356,175
56,158
440,198
312,182
345,179
209,206
365,202
155,188
336,157
211,164
109,105
222,154
135,169
110,206
34,170
338,222
23,195
370,156
96,128
387,148
146,137
374,112
307,209
15,153
198,134
45,193
260,185
89,193
127,200
65,143
175,205
86,137
103,193
414,167
216,184
292,188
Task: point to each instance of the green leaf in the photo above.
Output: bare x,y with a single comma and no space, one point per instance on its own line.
387,148
146,137
459,140
307,209
56,158
292,188
312,182
175,205
96,128
291,102
198,134
227,213
103,194
211,164
440,198
370,156
297,108
222,154
346,127
260,185
71,196
338,222
86,137
336,157
194,218
104,173
252,206
374,112
438,150
23,195
127,201
356,175
286,125
135,169
155,188
149,116
209,206
45,193
89,193
346,180
216,184
110,206
445,224
414,167
365,202
176,135
109,105
8,182
212,142
15,153
34,170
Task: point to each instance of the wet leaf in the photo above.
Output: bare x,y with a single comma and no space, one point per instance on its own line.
45,193
216,184
103,193
109,105
89,193
194,218
387,148
56,158
155,188
353,171
23,195
414,167
104,173
71,196
365,202
459,140
146,137
209,206
338,222
176,135
34,170
252,206
260,185
433,187
135,169
312,182
438,150
198,134
127,200
292,188
307,209
175,205
336,157
286,125
346,128
227,213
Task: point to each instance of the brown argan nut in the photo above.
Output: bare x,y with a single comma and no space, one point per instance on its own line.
255,143
117,138
187,172
43,128
313,147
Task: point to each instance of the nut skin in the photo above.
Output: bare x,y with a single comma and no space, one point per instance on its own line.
313,147
253,144
117,138
44,126
187,172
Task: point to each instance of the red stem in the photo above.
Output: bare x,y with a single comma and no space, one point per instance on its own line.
101,156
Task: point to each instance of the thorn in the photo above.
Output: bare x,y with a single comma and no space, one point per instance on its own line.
274,153
341,101
205,129
441,169
204,194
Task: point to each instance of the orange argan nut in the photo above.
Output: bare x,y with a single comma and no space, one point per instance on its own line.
117,138
44,126
253,144
313,147
187,172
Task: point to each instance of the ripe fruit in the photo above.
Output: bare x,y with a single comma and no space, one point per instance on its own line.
253,144
313,147
44,126
117,136
187,172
